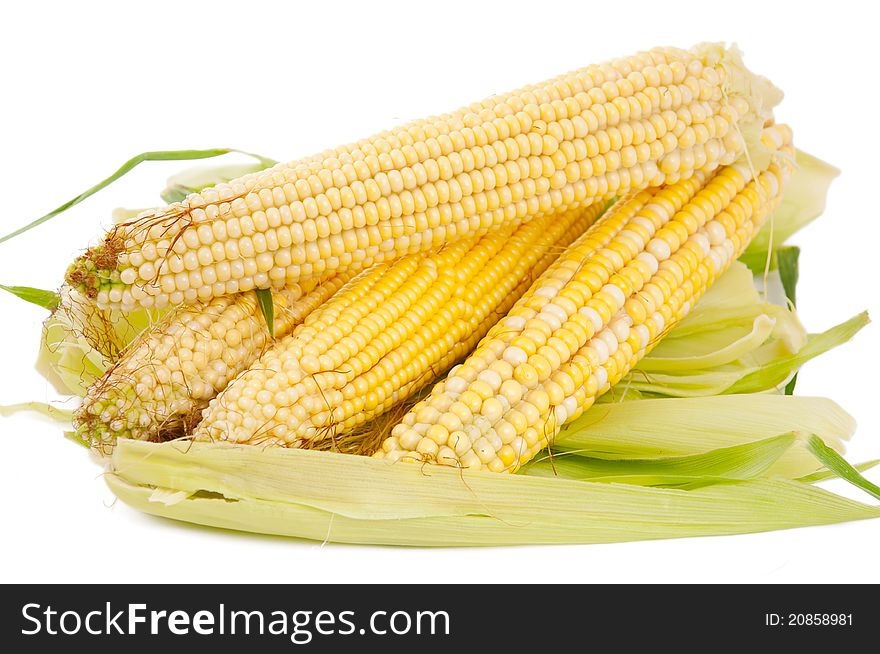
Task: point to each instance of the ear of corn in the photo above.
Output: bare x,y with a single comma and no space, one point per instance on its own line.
590,318
643,121
388,333
156,388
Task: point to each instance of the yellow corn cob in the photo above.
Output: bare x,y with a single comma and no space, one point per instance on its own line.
632,123
385,335
591,316
158,386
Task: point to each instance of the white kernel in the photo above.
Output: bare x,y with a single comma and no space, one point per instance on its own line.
634,236
615,293
644,335
128,276
658,209
659,320
607,336
601,349
715,232
515,356
593,316
147,271
557,311
484,450
646,223
552,321
729,249
560,413
659,248
548,292
702,240
649,260
492,378
482,423
620,327
456,384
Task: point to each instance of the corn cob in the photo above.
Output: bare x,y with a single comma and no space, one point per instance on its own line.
385,335
592,315
643,121
158,386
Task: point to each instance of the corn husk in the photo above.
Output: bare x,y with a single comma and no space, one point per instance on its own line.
352,499
723,465
686,426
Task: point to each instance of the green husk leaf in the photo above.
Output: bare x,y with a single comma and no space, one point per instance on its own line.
42,298
267,308
776,372
839,466
737,462
53,412
787,263
824,475
767,367
664,427
787,258
342,498
709,350
160,155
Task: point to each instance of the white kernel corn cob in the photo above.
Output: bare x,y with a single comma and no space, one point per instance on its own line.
157,387
638,122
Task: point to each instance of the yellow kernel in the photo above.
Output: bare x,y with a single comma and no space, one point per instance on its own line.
437,433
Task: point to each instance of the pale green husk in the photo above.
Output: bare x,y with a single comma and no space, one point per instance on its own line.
725,464
351,499
686,426
79,342
47,410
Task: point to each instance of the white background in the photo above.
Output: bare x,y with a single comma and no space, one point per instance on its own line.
86,85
